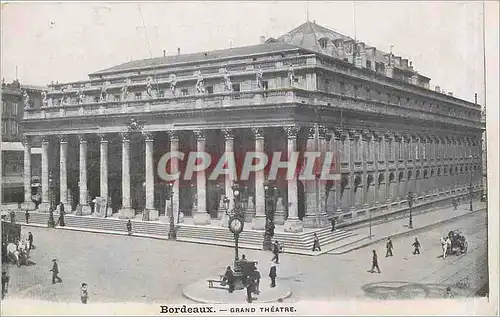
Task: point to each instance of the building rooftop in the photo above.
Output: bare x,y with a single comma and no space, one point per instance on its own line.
201,56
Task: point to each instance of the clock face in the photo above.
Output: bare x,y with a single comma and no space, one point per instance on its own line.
235,225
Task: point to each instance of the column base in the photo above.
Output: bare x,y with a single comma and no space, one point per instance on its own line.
83,210
126,213
150,215
293,225
201,218
44,207
279,217
259,222
249,216
220,213
315,221
225,221
28,205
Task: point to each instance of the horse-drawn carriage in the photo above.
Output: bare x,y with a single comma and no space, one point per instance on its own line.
13,249
457,243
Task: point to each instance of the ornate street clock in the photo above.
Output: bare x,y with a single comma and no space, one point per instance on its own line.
236,225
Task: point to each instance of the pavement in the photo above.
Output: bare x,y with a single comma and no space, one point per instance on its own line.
141,270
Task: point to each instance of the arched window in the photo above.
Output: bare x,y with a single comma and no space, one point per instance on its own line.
409,175
391,177
400,176
357,182
369,181
380,178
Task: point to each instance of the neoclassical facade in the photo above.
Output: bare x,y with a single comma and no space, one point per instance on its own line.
390,134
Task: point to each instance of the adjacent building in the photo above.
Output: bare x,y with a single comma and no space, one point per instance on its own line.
15,99
311,89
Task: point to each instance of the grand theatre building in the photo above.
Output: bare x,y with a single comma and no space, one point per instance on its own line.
311,89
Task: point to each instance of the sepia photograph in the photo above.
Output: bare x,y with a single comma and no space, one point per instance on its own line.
249,158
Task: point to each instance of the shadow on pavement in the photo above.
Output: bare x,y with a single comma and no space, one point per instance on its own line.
408,290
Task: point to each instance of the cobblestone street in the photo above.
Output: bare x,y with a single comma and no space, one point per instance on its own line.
133,269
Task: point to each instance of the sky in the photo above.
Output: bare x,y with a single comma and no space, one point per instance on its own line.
66,41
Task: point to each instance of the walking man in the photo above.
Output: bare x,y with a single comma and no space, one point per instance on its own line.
30,239
55,272
84,294
229,278
27,216
60,221
374,263
316,243
272,275
332,221
129,227
276,252
416,245
5,283
389,247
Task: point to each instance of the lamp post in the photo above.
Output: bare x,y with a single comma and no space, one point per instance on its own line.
470,186
51,192
269,194
235,220
172,234
410,204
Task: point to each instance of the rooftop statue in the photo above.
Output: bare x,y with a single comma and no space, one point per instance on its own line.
26,99
291,75
258,77
44,98
173,83
81,96
227,82
104,93
124,92
149,86
200,85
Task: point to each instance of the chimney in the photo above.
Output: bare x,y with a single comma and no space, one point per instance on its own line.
438,89
164,53
262,39
475,98
178,51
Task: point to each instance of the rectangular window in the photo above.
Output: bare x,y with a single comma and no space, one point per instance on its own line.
161,93
210,89
265,85
96,98
14,108
117,97
4,128
342,88
138,96
236,87
369,64
184,92
13,129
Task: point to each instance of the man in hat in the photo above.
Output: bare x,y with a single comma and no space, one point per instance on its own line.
416,246
374,262
333,221
30,239
276,252
5,283
84,294
55,271
389,247
27,216
129,227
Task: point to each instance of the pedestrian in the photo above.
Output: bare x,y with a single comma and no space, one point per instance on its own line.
12,216
229,278
449,294
129,227
250,286
276,252
84,294
92,205
316,243
454,201
272,275
416,245
5,283
389,247
257,281
332,221
27,216
55,272
60,221
30,239
375,262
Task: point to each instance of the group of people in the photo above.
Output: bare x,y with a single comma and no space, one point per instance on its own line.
389,248
250,277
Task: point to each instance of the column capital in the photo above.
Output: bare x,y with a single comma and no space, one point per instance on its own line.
366,134
125,136
311,131
407,137
45,138
26,140
353,133
82,138
173,134
388,136
228,133
148,136
292,131
63,138
338,133
323,131
258,132
103,137
200,134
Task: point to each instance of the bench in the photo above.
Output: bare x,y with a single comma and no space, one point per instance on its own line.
220,283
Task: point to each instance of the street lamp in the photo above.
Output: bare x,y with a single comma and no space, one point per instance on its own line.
470,185
235,222
269,194
410,204
172,234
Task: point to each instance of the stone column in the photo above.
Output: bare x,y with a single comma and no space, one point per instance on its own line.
103,177
293,223
337,150
86,210
352,158
201,217
150,178
228,181
28,203
387,146
126,211
63,179
45,205
174,167
310,185
321,183
259,222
